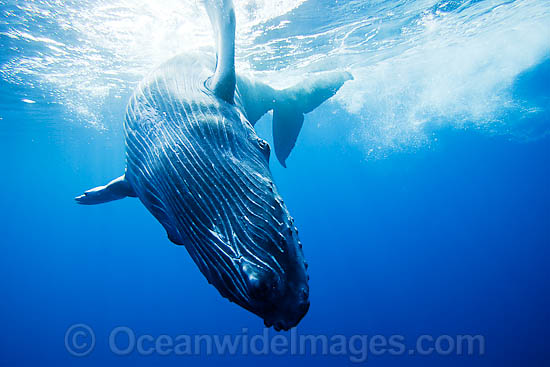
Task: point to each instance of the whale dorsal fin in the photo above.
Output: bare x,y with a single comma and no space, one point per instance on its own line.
222,18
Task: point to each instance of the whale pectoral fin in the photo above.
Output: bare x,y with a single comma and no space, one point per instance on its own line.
292,103
287,123
222,18
117,189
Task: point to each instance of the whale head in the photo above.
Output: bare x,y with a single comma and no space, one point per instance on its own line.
269,278
251,251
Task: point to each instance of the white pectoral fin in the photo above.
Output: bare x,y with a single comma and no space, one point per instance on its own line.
117,189
222,18
287,123
292,103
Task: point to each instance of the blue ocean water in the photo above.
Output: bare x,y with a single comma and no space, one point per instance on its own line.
421,190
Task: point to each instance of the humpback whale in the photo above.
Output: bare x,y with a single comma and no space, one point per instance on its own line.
196,163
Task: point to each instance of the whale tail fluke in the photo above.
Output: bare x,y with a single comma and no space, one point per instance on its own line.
117,189
289,105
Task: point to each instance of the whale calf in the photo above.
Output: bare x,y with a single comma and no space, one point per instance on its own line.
196,163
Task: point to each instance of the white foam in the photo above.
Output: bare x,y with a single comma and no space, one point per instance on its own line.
457,72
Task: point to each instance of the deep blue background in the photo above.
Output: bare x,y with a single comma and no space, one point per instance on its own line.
451,238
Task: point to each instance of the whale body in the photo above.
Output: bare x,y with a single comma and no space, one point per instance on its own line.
196,163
